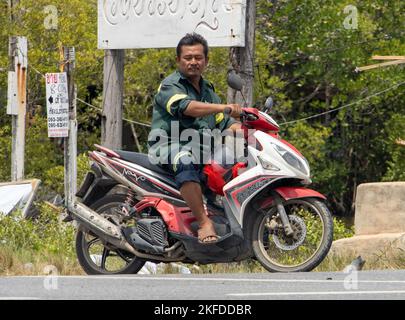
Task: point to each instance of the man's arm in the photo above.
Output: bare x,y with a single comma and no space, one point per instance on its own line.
198,109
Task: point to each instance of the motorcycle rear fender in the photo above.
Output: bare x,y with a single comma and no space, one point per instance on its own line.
95,186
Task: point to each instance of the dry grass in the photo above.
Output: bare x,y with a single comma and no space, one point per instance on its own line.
23,262
15,263
389,258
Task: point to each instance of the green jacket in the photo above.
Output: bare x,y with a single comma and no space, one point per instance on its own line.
169,121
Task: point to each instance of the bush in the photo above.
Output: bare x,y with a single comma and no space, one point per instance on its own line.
395,128
54,177
44,234
341,230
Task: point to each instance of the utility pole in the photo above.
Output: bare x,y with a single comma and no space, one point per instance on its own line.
242,60
11,4
70,143
17,103
113,89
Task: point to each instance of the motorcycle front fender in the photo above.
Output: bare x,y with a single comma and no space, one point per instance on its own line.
288,193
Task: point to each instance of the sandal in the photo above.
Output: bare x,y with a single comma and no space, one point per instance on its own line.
204,235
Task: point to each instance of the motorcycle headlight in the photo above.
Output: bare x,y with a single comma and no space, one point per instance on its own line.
292,159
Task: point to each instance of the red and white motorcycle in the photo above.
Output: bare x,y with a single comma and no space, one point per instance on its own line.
130,211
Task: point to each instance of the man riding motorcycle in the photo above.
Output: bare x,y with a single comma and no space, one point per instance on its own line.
188,99
130,210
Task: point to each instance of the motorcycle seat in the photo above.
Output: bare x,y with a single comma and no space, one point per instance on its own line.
142,160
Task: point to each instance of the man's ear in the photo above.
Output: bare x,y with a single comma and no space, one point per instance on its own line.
177,59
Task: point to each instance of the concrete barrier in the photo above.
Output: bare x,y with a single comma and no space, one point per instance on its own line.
380,208
379,221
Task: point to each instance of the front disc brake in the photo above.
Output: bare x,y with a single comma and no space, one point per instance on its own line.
286,243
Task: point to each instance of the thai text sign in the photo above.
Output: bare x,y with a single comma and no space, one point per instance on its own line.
131,24
57,104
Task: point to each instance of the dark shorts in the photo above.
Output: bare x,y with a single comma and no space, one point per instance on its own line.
182,165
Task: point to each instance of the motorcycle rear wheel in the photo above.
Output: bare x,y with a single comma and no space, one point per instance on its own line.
98,258
278,253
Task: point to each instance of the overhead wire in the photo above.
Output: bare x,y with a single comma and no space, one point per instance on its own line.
347,105
284,123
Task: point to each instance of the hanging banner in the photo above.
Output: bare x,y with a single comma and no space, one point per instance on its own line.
57,102
134,24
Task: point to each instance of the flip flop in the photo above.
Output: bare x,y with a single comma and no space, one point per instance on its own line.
205,234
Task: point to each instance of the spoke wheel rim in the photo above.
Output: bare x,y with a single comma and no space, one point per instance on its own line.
101,256
265,245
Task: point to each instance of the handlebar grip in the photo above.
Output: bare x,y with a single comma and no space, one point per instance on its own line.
228,110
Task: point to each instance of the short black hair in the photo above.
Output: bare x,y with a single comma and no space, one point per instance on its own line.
191,39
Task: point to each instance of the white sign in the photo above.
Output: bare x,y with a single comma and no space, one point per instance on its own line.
57,104
132,24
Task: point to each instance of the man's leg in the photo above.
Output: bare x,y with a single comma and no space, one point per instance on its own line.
192,194
188,180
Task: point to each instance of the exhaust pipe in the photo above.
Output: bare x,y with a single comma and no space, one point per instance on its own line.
111,232
100,226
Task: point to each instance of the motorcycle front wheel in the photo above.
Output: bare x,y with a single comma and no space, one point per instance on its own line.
312,224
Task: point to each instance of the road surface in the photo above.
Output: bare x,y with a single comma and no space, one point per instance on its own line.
364,285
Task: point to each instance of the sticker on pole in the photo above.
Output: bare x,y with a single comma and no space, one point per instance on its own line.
57,102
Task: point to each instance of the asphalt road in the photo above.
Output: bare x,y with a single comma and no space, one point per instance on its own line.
364,285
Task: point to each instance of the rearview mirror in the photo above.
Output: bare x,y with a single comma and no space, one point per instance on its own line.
268,104
234,80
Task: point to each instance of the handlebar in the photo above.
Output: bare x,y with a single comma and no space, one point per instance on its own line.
243,115
228,110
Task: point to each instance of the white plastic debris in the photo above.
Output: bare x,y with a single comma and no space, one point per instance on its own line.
153,268
12,196
96,258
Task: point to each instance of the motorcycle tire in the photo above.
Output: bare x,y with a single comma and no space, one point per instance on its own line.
259,248
85,260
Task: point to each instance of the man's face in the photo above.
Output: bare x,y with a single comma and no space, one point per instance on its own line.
192,61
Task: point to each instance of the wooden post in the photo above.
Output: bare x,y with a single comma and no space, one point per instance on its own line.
11,4
400,142
138,145
70,143
113,88
17,103
242,59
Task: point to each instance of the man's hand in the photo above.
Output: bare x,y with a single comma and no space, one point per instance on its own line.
236,110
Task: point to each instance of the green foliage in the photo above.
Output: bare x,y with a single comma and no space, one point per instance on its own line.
395,129
306,54
41,153
341,230
305,59
5,150
54,177
45,234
